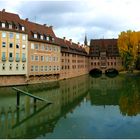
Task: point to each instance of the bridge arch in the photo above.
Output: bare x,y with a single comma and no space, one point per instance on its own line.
111,72
95,72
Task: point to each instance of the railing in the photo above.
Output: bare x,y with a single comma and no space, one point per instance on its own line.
23,59
17,59
19,91
3,59
11,59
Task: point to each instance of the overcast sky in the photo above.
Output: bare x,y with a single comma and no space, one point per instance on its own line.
73,19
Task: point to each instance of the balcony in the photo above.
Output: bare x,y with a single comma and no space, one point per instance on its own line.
17,59
11,59
23,59
3,59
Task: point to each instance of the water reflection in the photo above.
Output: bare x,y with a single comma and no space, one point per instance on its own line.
66,95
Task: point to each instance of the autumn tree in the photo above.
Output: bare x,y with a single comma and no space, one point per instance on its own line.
128,43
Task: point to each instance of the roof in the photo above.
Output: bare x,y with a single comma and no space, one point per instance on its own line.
101,45
71,47
11,18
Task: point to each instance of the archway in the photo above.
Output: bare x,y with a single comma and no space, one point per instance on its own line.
95,73
111,72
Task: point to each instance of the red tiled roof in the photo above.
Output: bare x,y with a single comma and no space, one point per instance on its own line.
37,28
70,47
6,16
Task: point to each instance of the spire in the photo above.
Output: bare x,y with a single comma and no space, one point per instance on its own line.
85,42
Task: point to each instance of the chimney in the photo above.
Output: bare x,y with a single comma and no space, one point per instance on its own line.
78,44
26,19
3,10
45,25
51,26
82,46
64,38
70,40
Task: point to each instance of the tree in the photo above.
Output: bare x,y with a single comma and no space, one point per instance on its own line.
128,43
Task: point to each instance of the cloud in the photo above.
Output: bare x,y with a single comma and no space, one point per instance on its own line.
96,18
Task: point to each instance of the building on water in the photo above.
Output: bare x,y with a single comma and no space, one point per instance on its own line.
31,53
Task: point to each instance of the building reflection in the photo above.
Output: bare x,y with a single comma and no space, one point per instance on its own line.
122,91
30,122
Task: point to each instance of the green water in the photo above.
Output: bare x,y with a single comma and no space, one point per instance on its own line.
83,107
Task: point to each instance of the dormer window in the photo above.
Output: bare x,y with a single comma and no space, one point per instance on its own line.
35,35
3,25
23,28
48,38
10,26
16,27
52,39
41,37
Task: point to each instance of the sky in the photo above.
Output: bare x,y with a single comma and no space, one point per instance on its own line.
73,19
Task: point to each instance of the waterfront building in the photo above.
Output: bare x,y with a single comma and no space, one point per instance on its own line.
104,54
31,53
13,50
43,52
74,59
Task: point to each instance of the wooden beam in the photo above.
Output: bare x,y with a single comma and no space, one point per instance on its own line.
31,95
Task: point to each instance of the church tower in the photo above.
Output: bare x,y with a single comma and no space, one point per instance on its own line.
86,45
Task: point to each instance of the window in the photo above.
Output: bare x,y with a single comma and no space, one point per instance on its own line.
36,46
10,55
37,58
36,68
50,48
57,67
32,57
35,35
47,58
10,45
23,55
23,28
3,54
41,37
47,38
32,45
23,37
46,68
3,25
3,34
42,58
50,68
47,48
23,46
42,47
3,44
52,39
10,26
32,68
50,58
17,36
17,55
54,59
11,35
54,68
41,68
17,46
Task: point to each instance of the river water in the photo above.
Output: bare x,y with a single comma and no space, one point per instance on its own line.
83,107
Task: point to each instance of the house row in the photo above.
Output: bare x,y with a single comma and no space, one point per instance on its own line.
31,53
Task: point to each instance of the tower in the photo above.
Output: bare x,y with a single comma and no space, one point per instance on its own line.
85,42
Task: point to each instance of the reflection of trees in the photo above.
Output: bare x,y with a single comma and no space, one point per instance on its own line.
130,98
127,96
